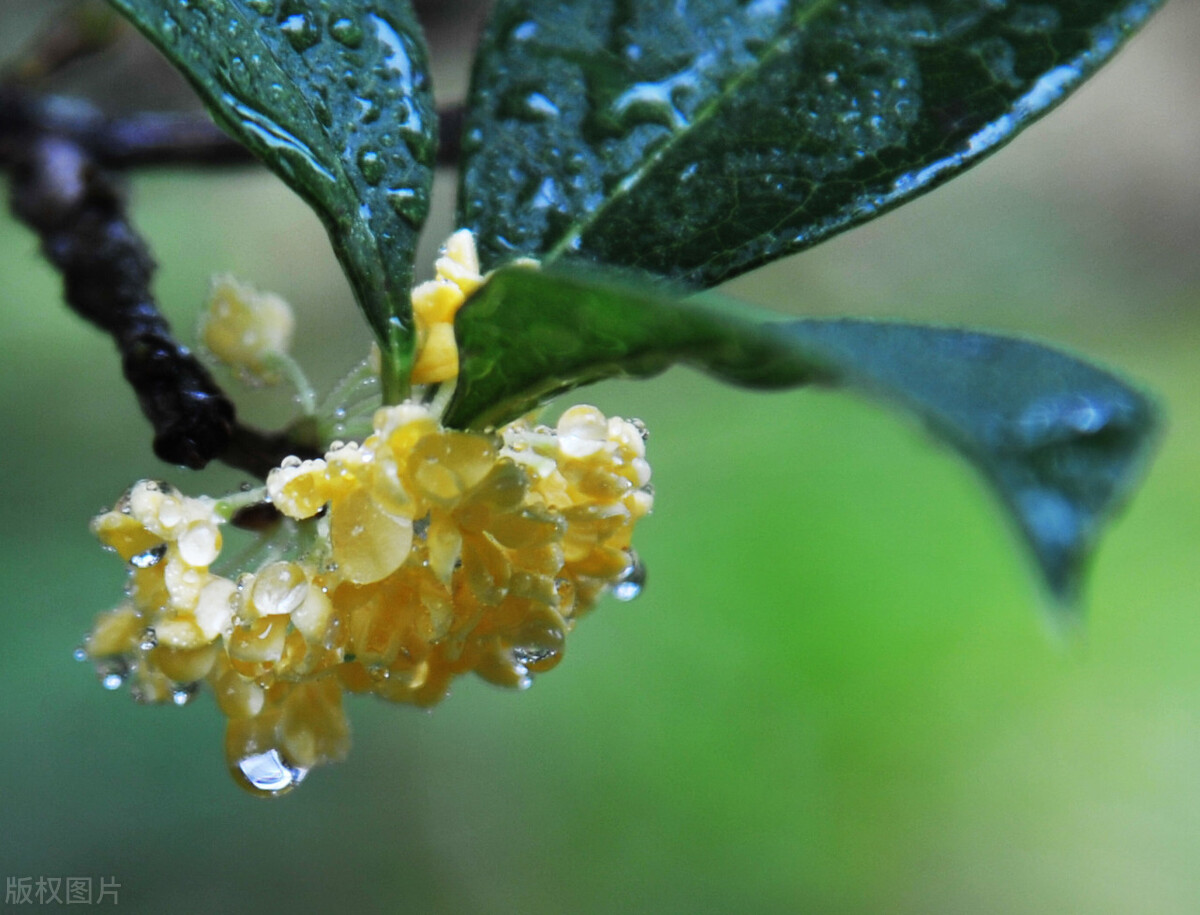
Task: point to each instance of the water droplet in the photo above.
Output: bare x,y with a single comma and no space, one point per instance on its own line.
301,31
149,640
290,462
524,31
345,31
831,78
274,136
268,773
170,28
113,676
659,102
641,429
149,558
533,657
410,204
632,581
368,111
279,588
371,166
396,58
80,654
540,106
182,695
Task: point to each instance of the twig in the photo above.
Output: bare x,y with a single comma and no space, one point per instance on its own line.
153,139
76,208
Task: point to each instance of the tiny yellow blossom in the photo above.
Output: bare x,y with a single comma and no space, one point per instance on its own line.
247,329
437,302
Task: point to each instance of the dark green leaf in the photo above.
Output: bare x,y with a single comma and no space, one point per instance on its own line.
698,140
1061,441
333,96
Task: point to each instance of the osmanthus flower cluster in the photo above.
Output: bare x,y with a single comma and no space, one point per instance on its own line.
398,563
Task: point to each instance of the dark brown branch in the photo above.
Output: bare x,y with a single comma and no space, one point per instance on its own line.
151,139
78,211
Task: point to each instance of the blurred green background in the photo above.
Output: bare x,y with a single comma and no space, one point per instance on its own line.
839,692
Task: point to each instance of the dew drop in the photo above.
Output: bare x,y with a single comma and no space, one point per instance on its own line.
149,558
533,657
345,31
80,654
170,28
409,204
371,166
199,545
632,581
525,31
540,107
300,30
182,695
112,680
149,640
279,588
268,773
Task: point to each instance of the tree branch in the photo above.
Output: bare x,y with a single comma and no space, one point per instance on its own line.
153,139
77,209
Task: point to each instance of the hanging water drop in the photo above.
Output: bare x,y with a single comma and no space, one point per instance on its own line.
182,695
268,773
149,558
149,639
632,580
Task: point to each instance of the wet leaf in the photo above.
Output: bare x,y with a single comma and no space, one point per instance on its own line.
334,97
1061,441
698,140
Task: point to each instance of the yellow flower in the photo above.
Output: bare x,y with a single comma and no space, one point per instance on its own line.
419,554
247,329
437,302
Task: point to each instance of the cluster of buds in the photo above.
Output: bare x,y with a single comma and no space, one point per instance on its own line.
399,563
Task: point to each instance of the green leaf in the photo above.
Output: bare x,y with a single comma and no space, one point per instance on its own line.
1061,441
333,96
698,140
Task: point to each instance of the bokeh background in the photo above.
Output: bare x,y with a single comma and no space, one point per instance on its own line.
840,692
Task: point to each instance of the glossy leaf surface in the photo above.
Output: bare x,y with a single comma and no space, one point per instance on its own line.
333,96
1061,441
700,139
